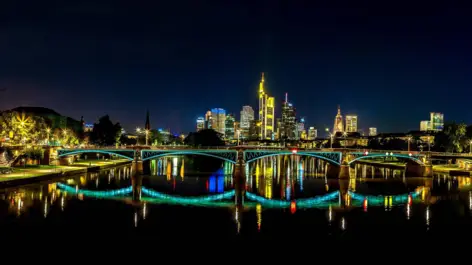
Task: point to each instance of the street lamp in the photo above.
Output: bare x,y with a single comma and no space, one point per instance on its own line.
331,136
409,140
344,136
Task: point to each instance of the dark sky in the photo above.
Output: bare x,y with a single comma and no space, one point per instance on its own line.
390,64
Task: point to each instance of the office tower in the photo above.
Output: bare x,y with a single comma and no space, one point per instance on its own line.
436,121
300,128
229,127
425,126
351,123
237,130
312,133
287,128
338,122
208,120
266,112
218,118
247,115
372,131
200,123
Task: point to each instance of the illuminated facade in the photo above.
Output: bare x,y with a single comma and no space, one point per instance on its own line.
338,122
247,115
200,123
208,119
229,127
287,128
312,133
255,130
218,120
425,126
436,121
351,123
372,131
266,112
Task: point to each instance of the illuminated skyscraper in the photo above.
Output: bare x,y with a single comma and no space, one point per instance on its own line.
351,123
200,123
436,121
372,131
247,115
218,119
208,119
425,126
312,133
266,112
288,123
229,127
338,122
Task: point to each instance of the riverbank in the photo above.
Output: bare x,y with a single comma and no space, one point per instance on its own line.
33,174
398,165
453,170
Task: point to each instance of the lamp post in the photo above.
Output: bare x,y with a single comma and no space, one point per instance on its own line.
331,136
344,136
409,140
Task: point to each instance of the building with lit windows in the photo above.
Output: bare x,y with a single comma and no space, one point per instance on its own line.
266,112
436,121
247,115
351,123
287,128
255,130
372,131
200,123
425,126
208,119
312,133
338,122
218,120
229,127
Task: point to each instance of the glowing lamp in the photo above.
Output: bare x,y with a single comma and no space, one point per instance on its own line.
294,151
410,154
366,153
386,153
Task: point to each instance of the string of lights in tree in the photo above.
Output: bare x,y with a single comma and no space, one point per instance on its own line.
93,193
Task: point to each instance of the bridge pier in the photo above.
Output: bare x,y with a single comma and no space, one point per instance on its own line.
136,182
337,172
416,170
239,177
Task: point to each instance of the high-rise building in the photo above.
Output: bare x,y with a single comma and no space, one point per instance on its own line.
338,122
237,130
425,126
200,123
300,128
436,121
312,133
351,123
247,115
229,127
208,120
218,119
287,129
372,131
255,130
266,112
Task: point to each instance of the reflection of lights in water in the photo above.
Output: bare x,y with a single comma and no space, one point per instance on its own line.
365,204
470,200
144,211
62,203
135,219
293,207
428,216
174,166
343,223
330,214
96,182
408,211
45,208
259,216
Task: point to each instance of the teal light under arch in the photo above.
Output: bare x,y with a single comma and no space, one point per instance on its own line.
176,153
84,151
301,153
413,158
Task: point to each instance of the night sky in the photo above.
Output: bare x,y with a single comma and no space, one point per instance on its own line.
391,65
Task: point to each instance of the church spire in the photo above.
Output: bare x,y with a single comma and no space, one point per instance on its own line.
148,124
339,109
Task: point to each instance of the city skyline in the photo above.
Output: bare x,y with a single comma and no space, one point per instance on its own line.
384,69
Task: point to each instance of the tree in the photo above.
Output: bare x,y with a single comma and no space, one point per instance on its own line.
207,137
20,128
156,137
452,138
105,133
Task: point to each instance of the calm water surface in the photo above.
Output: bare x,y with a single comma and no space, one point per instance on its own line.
280,197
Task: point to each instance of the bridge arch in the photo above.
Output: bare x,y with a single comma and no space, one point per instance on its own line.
361,156
127,154
334,158
225,155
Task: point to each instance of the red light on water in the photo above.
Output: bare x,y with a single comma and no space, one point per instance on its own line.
410,199
293,207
